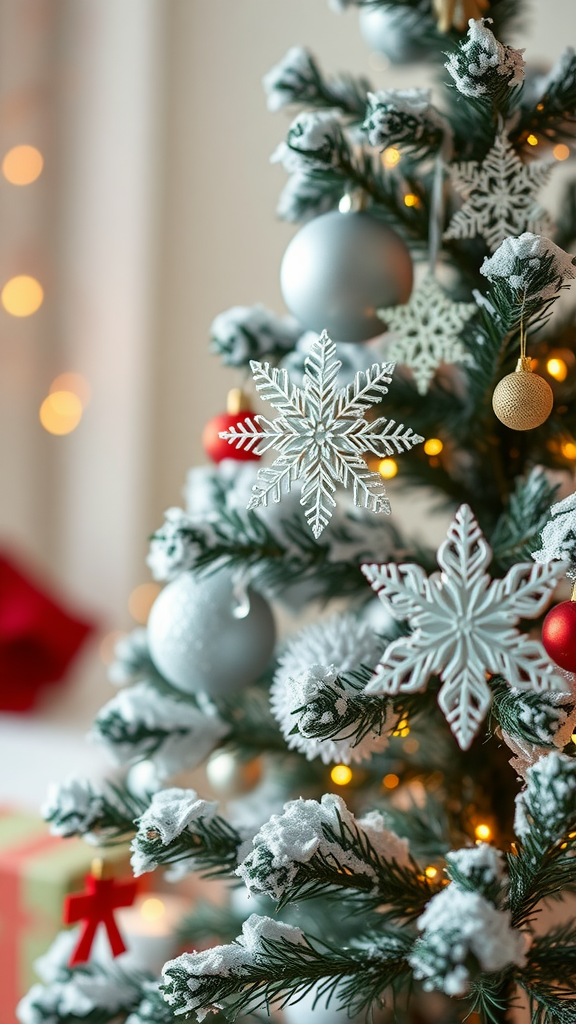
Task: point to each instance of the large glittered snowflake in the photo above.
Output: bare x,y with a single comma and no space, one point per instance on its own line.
463,627
426,331
500,196
322,435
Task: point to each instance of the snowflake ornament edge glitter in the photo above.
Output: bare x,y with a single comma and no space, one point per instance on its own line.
458,646
322,435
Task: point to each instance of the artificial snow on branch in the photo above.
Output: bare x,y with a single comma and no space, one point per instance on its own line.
482,67
182,830
321,848
243,333
307,674
559,534
141,722
297,79
404,117
106,814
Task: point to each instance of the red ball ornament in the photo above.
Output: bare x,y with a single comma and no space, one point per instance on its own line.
214,446
559,635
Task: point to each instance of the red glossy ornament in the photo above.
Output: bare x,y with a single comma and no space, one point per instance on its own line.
559,635
214,446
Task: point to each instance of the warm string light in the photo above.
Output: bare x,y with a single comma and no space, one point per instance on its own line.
341,774
402,729
411,200
141,600
568,449
557,368
483,832
60,412
22,295
433,446
390,781
22,165
391,157
152,909
431,872
532,140
388,468
561,151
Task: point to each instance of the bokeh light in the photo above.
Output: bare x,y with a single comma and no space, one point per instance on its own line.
431,872
141,600
388,468
561,151
391,781
108,645
411,200
345,204
391,156
341,774
557,368
75,383
568,450
22,165
22,295
532,140
152,909
61,412
433,446
483,831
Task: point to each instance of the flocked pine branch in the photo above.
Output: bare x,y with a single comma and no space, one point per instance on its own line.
273,963
298,80
316,849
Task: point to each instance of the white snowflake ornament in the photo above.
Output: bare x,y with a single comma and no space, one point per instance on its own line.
463,627
426,331
500,196
321,434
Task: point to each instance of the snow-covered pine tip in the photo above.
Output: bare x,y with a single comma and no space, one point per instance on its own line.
171,812
141,722
173,548
72,806
294,79
314,140
101,991
478,868
192,980
243,333
559,534
132,661
482,65
547,805
305,679
396,116
459,924
530,264
152,1008
308,828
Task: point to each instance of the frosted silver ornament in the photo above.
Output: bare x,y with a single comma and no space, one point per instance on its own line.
204,638
391,31
339,269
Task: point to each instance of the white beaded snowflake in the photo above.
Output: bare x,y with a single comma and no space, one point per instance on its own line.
322,435
500,196
559,534
463,627
426,331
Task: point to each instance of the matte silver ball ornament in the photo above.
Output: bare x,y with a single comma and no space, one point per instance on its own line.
339,269
230,776
391,31
205,638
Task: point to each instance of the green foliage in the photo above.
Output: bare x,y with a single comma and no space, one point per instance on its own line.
517,531
283,971
212,848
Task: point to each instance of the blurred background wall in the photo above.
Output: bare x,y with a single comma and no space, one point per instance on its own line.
153,212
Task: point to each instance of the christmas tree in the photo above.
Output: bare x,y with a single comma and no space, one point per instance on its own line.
400,775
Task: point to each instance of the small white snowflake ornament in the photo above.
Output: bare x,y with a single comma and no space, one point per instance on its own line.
500,196
426,331
322,435
463,627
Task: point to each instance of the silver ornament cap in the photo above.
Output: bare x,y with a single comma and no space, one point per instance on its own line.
339,269
204,638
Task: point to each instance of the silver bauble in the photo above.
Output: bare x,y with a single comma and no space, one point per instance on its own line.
339,269
203,638
230,775
391,30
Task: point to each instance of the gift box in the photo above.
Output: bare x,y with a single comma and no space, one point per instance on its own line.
36,871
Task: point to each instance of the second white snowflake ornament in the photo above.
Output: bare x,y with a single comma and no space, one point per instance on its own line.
463,627
322,435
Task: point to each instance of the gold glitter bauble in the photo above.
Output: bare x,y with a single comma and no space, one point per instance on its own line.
523,400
